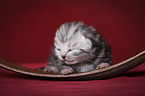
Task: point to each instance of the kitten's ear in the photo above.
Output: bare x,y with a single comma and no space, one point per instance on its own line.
89,45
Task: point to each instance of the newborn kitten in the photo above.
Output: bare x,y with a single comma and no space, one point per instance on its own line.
77,48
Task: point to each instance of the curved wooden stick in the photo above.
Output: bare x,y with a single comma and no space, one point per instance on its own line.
104,73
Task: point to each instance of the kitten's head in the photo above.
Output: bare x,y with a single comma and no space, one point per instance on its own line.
71,46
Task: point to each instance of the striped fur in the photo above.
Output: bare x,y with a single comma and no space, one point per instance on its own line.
78,48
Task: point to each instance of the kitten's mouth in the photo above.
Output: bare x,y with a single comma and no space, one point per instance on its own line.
69,62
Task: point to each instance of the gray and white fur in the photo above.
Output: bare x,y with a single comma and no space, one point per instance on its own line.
78,48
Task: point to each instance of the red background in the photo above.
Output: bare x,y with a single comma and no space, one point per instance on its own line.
26,34
28,26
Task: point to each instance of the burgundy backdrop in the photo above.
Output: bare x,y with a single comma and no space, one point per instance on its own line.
28,26
26,34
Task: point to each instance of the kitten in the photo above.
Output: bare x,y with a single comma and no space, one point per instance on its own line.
78,48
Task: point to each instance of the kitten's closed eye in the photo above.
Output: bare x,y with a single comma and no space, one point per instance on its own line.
83,51
77,54
69,50
80,52
58,49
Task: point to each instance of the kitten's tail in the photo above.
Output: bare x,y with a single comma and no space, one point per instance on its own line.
104,73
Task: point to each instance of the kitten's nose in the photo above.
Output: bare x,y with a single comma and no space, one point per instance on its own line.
63,57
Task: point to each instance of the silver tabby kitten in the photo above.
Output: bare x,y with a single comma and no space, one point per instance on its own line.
78,48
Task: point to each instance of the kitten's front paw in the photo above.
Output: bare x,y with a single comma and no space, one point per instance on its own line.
67,71
102,65
50,69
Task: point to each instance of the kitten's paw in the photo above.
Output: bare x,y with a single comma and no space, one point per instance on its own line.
50,69
67,71
102,65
